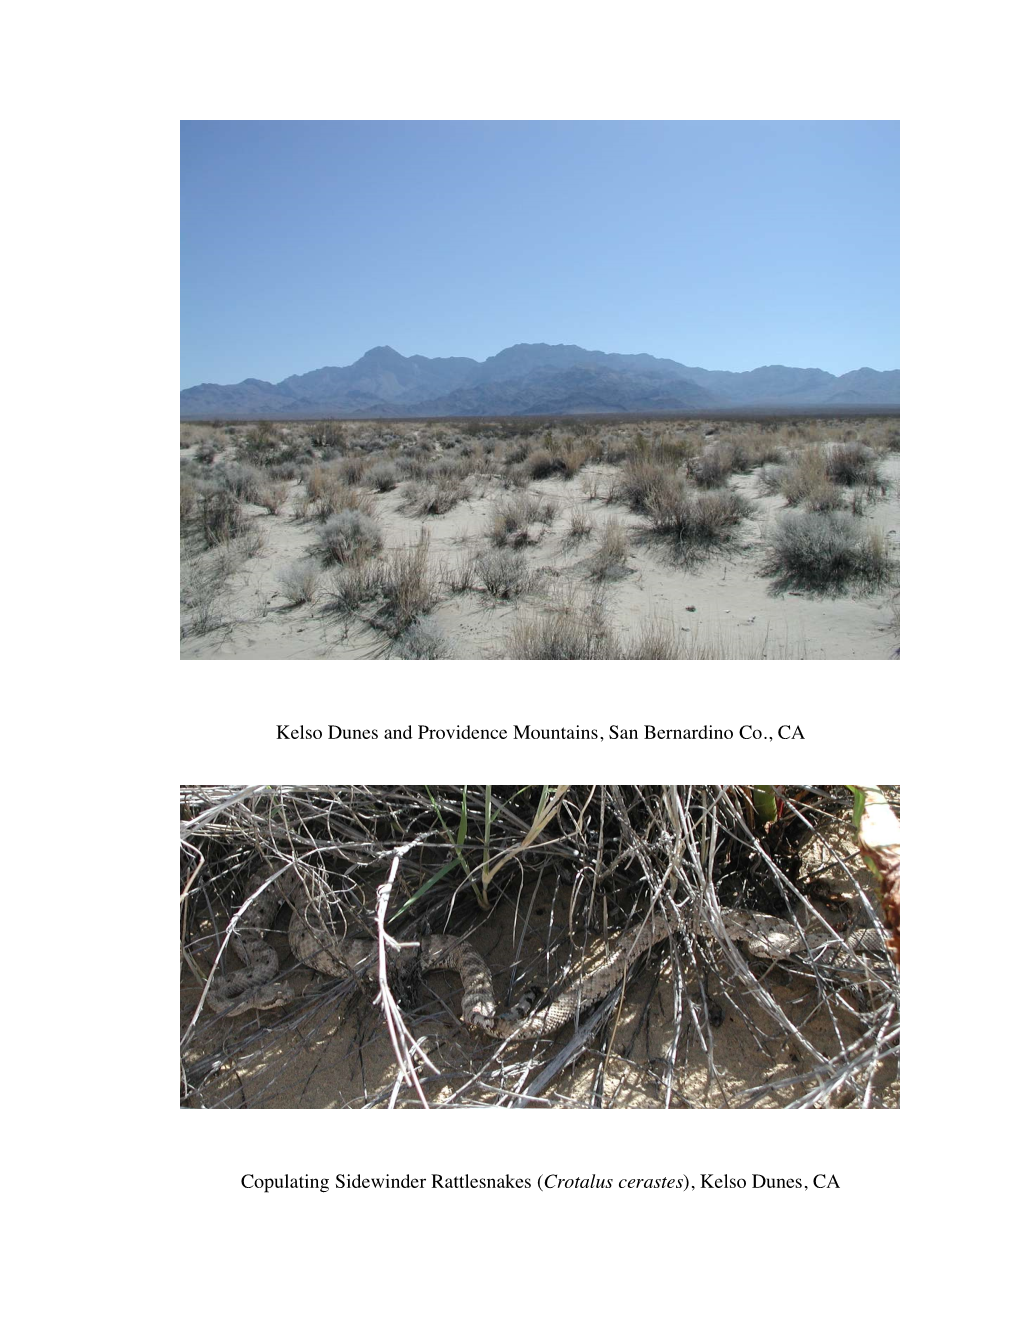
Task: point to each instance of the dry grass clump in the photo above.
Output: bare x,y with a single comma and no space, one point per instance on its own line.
326,435
852,464
423,640
433,498
202,586
382,476
643,481
805,481
348,536
334,497
243,480
412,587
299,583
580,525
510,519
826,553
657,639
459,575
223,517
504,574
714,468
697,522
271,496
356,584
541,463
564,632
610,557
189,498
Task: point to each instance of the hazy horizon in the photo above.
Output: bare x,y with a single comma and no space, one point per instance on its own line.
722,245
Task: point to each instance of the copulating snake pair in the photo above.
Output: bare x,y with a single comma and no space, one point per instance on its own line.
313,943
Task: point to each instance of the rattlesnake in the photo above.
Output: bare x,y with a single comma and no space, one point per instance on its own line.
317,946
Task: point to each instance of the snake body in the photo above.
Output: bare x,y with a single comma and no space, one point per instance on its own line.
315,944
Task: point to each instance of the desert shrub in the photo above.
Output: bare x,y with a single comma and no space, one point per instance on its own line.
564,633
435,497
242,480
262,444
459,576
337,497
382,476
202,585
349,535
189,498
355,584
516,477
411,587
610,558
852,464
713,468
826,553
271,496
349,470
542,463
771,478
656,640
251,540
326,435
503,573
423,640
806,482
510,520
749,449
580,525
317,480
299,583
223,517
517,452
573,460
697,521
643,480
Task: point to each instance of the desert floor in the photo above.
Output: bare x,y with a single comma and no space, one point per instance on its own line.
590,555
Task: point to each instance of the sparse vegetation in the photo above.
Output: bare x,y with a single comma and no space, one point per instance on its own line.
663,508
300,583
826,553
348,536
503,573
610,558
423,640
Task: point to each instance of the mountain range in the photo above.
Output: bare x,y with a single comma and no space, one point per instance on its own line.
536,379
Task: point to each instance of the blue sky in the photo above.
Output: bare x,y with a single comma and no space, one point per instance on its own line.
727,245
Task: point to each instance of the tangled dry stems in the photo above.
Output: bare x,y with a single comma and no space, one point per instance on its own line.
421,857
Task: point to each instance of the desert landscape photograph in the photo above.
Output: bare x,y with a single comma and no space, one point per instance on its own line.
546,946
577,493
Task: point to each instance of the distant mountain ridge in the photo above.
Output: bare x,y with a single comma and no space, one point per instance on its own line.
535,378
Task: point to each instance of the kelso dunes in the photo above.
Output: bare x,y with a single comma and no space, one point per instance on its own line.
541,538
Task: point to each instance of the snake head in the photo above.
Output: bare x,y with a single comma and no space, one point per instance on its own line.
275,995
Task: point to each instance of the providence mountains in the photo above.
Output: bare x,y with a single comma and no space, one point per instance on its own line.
537,379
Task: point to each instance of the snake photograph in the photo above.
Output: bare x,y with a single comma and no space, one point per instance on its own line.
740,905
